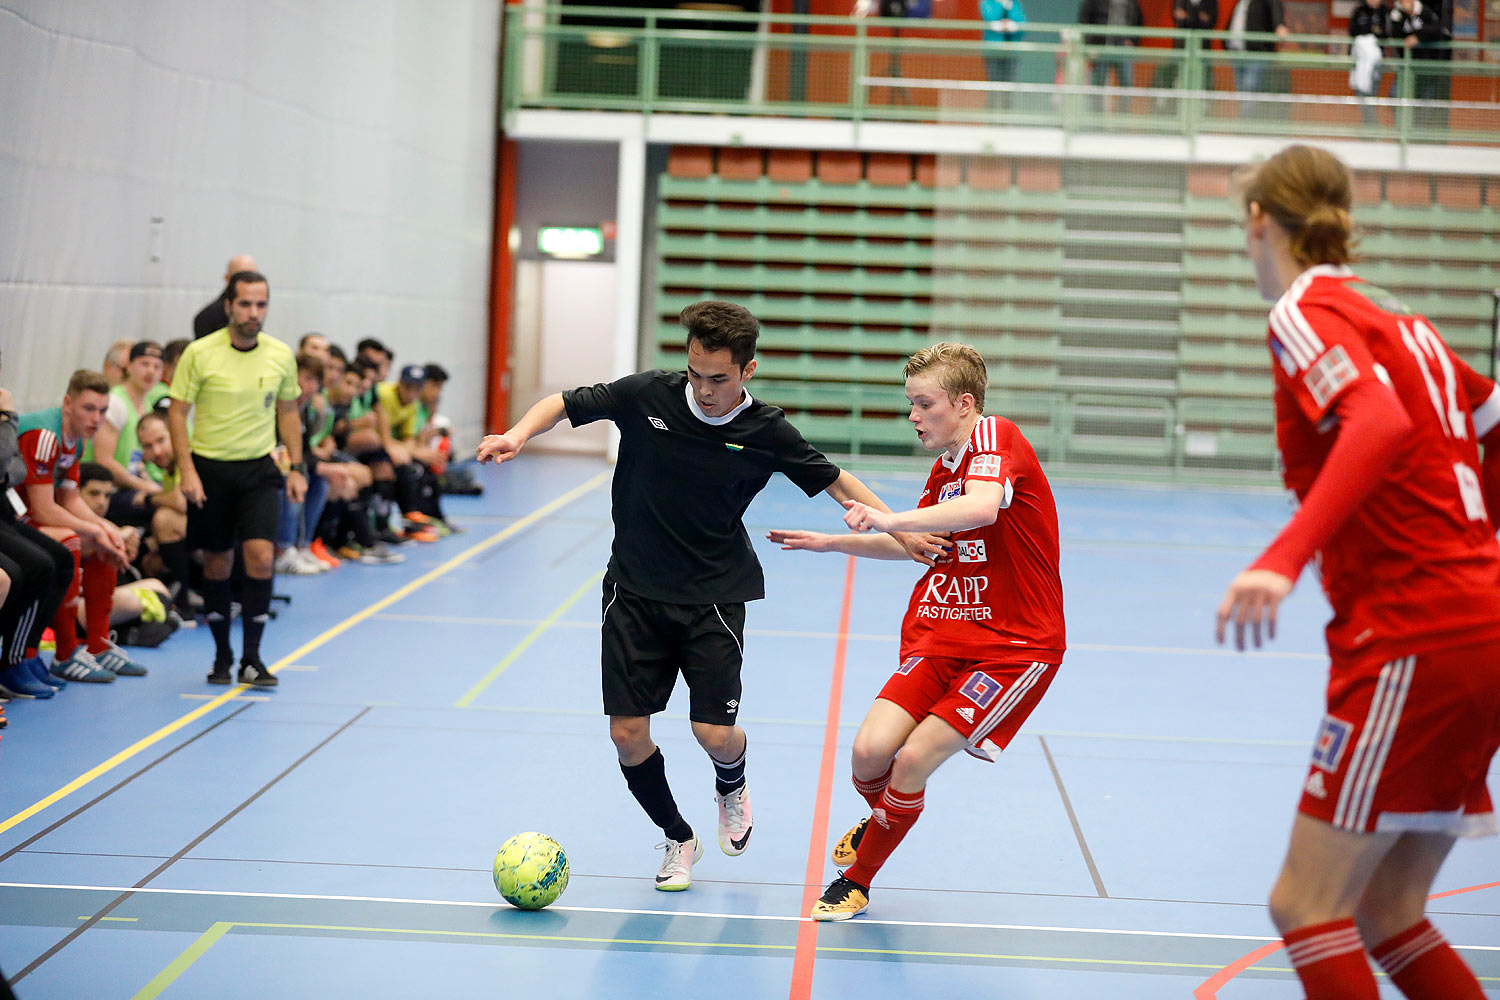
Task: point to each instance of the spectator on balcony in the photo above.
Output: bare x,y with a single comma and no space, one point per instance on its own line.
1117,14
1419,27
1002,26
1369,27
1188,15
1250,75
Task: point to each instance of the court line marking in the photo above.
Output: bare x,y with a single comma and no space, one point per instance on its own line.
1073,819
307,647
104,912
536,633
1209,988
167,976
704,914
805,953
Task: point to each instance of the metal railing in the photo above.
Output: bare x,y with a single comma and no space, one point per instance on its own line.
1161,81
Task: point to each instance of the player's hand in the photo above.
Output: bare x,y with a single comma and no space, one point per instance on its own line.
924,547
296,486
498,447
400,453
811,541
1252,599
108,539
192,488
862,517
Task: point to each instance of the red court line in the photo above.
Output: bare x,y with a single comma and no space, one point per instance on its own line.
812,879
1209,988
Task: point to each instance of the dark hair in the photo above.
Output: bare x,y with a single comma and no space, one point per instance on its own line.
173,350
371,344
361,367
93,472
149,416
239,278
310,363
719,326
335,351
435,372
84,380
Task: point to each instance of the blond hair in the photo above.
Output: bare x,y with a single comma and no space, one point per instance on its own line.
959,369
1307,191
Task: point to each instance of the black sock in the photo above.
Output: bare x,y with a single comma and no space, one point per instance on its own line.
728,777
409,487
648,783
175,556
359,519
216,610
255,604
385,497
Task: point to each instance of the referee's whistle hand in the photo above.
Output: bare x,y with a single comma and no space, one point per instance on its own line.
296,486
497,448
192,489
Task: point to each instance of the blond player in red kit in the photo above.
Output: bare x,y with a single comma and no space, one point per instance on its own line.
983,633
1373,420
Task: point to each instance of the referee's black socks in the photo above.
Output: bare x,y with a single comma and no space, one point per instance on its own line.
648,783
731,776
255,609
216,611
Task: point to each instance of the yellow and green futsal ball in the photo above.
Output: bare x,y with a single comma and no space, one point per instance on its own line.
531,870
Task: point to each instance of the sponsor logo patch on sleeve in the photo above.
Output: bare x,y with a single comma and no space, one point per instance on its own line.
1329,374
985,467
1333,736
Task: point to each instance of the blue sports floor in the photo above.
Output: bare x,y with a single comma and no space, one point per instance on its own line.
161,837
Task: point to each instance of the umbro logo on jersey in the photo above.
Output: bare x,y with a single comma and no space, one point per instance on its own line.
966,712
1314,786
658,423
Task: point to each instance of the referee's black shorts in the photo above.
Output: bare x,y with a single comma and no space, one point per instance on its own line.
646,644
241,501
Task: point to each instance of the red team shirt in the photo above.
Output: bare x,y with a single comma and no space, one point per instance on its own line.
998,596
50,460
1416,566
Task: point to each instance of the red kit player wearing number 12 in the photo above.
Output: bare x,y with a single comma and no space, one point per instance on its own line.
1373,420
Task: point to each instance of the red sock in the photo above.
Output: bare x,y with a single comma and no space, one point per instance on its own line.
1422,963
1330,961
873,789
65,622
891,819
98,601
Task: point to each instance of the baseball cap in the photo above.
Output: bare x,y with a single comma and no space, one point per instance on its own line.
413,374
145,348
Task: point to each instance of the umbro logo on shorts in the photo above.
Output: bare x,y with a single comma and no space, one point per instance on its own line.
733,705
658,423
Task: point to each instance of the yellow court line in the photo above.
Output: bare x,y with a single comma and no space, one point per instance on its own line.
525,643
166,977
303,650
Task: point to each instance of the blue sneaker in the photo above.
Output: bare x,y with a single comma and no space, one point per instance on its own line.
38,668
17,679
114,659
82,666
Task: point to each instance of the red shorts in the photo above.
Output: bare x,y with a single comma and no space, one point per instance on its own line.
1406,744
984,700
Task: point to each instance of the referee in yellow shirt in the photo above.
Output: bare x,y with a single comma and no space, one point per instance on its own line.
241,386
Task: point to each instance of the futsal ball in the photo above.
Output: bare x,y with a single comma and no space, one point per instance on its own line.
531,870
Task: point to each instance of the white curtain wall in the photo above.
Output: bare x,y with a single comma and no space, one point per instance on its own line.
348,145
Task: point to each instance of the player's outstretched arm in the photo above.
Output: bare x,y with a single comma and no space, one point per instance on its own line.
978,506
542,417
868,546
920,546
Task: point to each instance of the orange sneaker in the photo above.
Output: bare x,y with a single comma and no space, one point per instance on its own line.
420,534
417,517
320,552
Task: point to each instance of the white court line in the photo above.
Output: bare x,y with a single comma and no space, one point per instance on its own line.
671,913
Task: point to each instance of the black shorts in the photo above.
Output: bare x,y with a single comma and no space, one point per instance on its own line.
242,500
123,511
646,644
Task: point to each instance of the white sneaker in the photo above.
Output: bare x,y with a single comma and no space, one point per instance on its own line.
677,867
312,562
734,821
289,563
